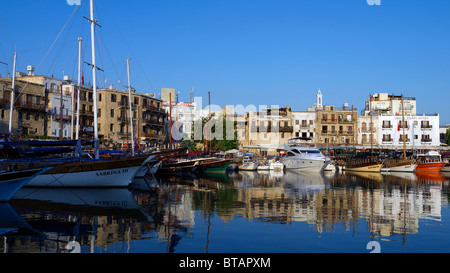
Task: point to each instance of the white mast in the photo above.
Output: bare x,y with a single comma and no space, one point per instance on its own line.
129,103
79,89
13,85
94,80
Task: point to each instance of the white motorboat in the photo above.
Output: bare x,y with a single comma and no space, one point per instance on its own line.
271,165
248,164
303,158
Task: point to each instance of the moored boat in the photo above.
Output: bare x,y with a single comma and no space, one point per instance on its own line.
248,164
214,165
90,173
11,182
446,168
302,157
363,166
430,162
400,165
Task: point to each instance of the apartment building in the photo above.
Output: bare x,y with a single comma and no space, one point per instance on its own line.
421,131
267,131
30,113
336,125
114,120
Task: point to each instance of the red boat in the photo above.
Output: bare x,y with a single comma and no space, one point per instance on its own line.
430,162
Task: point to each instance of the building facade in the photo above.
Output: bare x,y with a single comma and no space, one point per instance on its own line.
336,126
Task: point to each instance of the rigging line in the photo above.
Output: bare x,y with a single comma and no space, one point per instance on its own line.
129,48
109,55
24,9
60,51
45,56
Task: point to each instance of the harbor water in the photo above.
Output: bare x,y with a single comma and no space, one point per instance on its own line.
238,212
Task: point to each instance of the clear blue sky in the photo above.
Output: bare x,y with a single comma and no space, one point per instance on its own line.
261,52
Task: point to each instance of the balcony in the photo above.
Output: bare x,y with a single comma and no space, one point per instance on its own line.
154,136
346,133
30,106
270,129
329,120
64,117
329,133
427,127
153,122
86,113
387,140
426,140
386,126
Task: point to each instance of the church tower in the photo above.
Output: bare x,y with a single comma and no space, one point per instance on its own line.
319,99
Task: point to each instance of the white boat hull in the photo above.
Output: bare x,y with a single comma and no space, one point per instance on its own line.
120,176
306,165
248,166
9,187
406,168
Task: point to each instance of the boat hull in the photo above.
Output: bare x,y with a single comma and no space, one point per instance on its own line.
446,168
248,166
430,167
11,182
95,174
215,166
306,165
372,167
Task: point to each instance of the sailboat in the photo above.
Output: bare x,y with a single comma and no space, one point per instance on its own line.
404,164
370,164
86,172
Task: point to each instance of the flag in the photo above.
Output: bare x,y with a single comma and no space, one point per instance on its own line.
398,128
82,79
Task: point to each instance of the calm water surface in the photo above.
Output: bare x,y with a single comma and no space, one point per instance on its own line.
246,212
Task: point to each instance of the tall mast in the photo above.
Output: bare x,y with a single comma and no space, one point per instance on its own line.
94,80
79,88
13,86
170,120
129,104
403,123
371,124
209,104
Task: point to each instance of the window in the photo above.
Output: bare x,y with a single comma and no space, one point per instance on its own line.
99,112
112,113
36,117
99,97
111,127
113,98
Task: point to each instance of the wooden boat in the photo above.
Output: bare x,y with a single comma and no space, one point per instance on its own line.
363,166
214,165
178,166
400,165
430,162
446,168
11,182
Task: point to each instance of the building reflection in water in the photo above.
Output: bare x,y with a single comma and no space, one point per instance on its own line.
166,209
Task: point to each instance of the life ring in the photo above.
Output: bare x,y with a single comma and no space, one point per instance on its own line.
106,143
125,144
11,136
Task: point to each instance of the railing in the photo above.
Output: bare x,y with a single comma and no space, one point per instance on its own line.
329,133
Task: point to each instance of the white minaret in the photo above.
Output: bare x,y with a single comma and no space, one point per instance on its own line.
319,99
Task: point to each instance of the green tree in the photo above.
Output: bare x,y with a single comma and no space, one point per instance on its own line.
447,136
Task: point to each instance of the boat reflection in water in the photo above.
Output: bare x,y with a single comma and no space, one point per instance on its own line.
231,212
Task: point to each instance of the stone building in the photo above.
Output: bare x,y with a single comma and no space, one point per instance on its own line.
336,125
